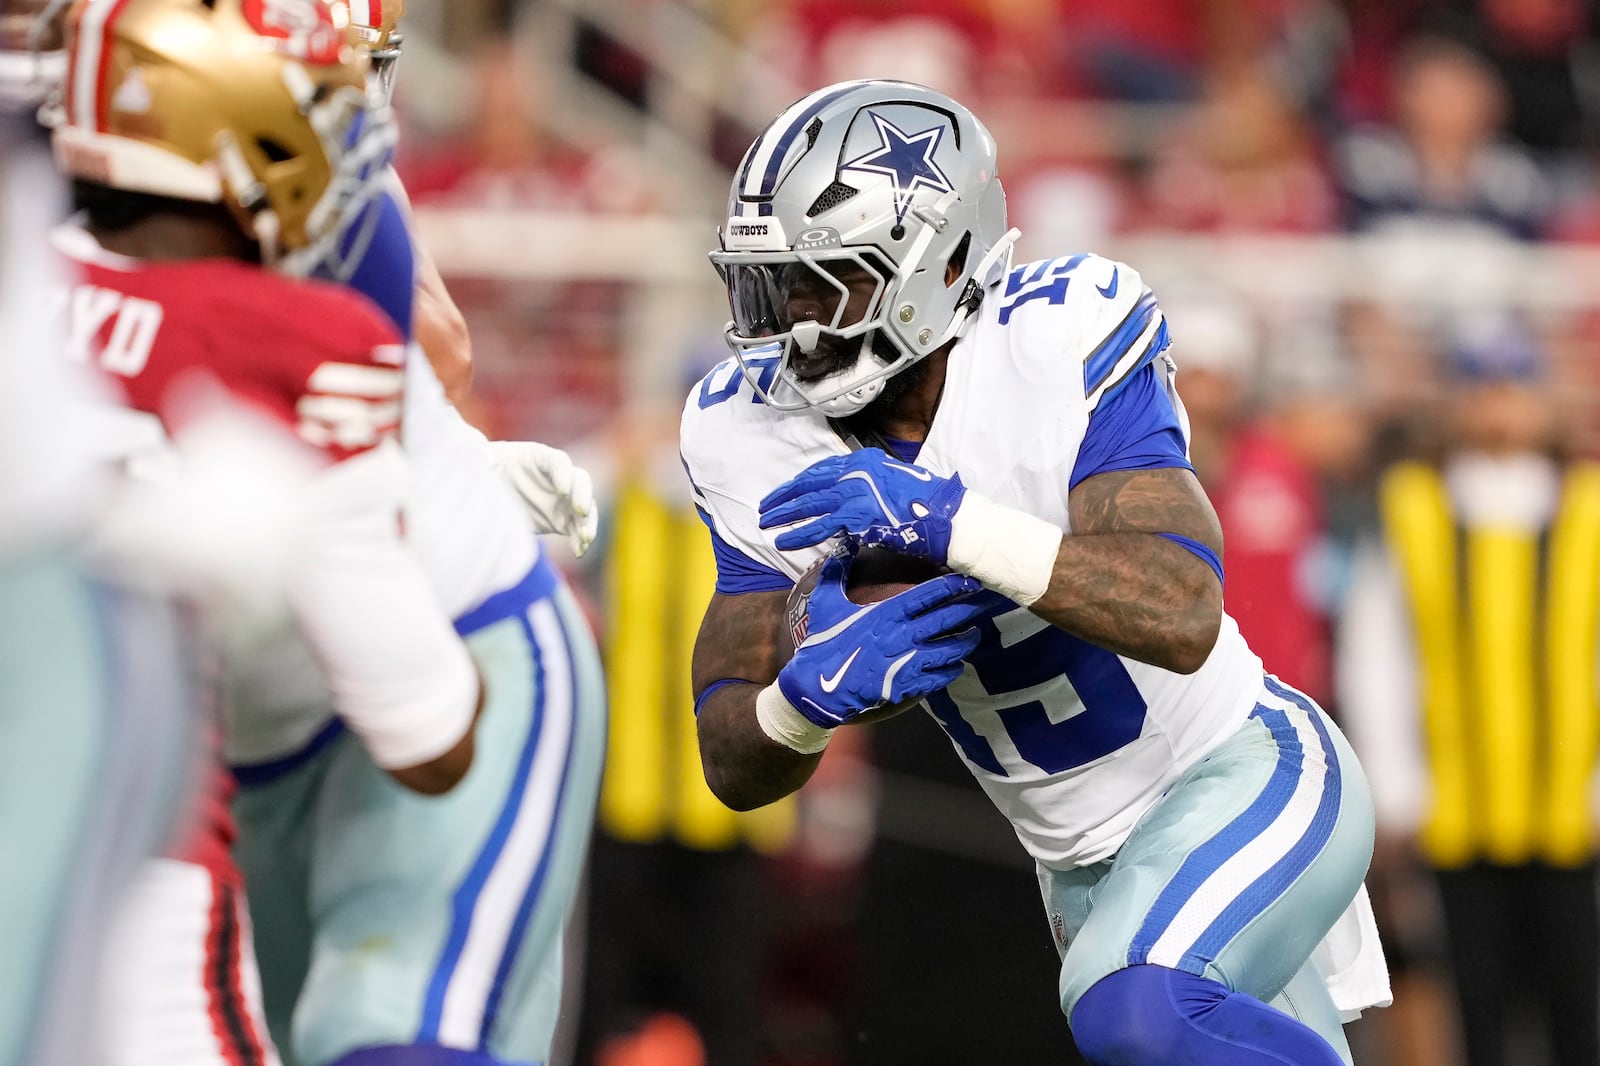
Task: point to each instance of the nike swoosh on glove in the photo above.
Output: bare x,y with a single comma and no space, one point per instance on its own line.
867,492
857,658
558,493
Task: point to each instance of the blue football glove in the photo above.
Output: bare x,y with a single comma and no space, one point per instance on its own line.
870,496
856,658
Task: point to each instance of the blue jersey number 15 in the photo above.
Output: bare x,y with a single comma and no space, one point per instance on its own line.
1113,709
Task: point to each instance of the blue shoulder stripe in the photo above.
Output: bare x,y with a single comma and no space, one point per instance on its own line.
1158,344
1103,360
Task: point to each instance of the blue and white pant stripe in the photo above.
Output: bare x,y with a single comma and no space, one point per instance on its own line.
492,905
1266,848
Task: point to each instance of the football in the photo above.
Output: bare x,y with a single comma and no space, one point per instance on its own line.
878,573
875,575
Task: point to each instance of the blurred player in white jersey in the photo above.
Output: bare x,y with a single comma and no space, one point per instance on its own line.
207,141
393,931
98,708
1199,826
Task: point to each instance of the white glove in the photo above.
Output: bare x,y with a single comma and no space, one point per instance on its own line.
558,493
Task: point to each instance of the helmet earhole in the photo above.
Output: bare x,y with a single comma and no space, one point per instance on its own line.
898,233
958,260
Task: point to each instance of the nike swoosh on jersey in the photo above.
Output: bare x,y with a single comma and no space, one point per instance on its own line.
831,683
1109,291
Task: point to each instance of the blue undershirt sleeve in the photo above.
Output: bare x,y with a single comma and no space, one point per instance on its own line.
736,571
385,271
1135,429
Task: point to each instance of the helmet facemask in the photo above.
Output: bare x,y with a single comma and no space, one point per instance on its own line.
384,61
377,32
358,133
820,313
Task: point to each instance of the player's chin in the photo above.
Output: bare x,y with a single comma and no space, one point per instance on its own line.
816,366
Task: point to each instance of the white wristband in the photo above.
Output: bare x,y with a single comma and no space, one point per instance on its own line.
787,726
1010,551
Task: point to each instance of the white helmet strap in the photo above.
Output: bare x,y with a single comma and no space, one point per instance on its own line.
1001,250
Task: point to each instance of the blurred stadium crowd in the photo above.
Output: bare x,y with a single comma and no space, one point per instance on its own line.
1372,224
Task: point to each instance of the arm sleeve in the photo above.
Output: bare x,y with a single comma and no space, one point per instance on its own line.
1136,428
401,677
383,268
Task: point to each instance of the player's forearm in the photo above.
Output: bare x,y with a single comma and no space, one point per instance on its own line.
743,643
1136,594
400,676
745,768
442,332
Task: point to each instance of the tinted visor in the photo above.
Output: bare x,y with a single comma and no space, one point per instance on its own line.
839,290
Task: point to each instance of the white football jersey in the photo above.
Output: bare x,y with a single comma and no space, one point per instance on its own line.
1072,742
49,409
469,532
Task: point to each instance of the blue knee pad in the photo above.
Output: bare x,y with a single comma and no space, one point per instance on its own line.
419,1055
1156,1016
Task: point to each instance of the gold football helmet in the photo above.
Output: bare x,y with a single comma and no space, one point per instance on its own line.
376,24
261,105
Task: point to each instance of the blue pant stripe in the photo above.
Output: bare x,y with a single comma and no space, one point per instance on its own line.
1209,857
1270,886
530,897
465,900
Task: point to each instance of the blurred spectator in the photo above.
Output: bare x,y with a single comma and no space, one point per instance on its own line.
1245,160
1467,680
1262,434
1444,161
1575,373
944,43
507,157
1376,30
1151,52
1546,53
532,340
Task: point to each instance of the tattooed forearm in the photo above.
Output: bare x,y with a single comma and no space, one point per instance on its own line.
744,638
1118,586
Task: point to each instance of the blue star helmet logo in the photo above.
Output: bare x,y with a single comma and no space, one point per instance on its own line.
906,159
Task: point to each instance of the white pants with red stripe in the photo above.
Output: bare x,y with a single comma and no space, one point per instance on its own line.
179,985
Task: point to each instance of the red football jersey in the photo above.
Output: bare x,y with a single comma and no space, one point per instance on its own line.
317,357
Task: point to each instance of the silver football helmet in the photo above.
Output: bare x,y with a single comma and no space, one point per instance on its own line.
865,225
